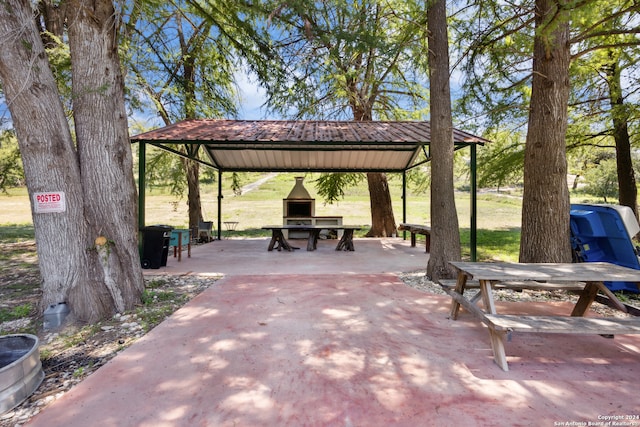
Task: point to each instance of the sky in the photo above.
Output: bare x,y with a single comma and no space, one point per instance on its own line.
251,98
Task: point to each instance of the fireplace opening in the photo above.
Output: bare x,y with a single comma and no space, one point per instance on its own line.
299,208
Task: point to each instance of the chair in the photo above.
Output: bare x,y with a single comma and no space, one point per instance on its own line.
205,231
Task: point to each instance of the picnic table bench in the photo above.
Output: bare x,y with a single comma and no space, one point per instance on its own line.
589,277
414,229
279,242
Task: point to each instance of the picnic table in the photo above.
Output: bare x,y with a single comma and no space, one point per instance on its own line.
279,242
586,278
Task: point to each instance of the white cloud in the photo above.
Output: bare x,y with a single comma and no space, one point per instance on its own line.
251,95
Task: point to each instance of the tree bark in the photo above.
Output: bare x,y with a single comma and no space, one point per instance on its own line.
627,189
194,201
88,254
383,223
445,233
53,15
191,168
47,149
545,206
106,161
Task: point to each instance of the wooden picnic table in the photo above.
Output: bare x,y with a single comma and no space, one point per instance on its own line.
279,242
587,278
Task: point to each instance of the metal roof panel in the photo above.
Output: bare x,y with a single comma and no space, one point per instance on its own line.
246,145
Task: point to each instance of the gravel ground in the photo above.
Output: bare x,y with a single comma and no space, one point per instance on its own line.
75,352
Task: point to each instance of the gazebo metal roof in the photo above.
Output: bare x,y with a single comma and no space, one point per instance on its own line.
303,146
290,145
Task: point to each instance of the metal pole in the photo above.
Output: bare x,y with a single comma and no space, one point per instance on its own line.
474,204
219,204
404,202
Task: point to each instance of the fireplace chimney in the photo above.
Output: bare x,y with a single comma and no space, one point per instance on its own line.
298,191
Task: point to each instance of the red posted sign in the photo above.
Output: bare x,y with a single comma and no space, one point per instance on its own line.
50,202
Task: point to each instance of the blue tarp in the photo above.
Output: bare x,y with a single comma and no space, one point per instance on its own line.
603,233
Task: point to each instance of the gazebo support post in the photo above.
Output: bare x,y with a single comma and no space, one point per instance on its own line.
474,204
219,204
404,202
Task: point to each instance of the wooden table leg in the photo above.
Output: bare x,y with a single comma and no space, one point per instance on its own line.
497,345
189,245
455,305
346,242
612,297
274,239
487,296
497,337
279,242
312,242
587,297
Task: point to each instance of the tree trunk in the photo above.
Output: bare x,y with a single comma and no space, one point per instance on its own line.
192,170
106,162
53,14
383,223
445,233
627,189
87,253
47,149
545,205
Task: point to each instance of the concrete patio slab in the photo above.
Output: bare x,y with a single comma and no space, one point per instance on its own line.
346,348
250,256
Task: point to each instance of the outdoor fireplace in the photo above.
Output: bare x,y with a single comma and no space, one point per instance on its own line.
299,203
300,209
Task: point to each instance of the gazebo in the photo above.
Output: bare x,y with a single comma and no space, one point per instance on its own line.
304,146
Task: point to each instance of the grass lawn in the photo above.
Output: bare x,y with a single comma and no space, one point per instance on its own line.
498,214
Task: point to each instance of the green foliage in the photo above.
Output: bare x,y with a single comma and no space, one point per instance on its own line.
602,181
235,184
501,162
60,61
493,245
183,57
155,283
18,312
493,41
164,168
493,44
150,296
419,178
332,186
11,172
158,305
78,372
11,233
357,60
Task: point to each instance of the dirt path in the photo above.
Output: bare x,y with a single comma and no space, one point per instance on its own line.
258,183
